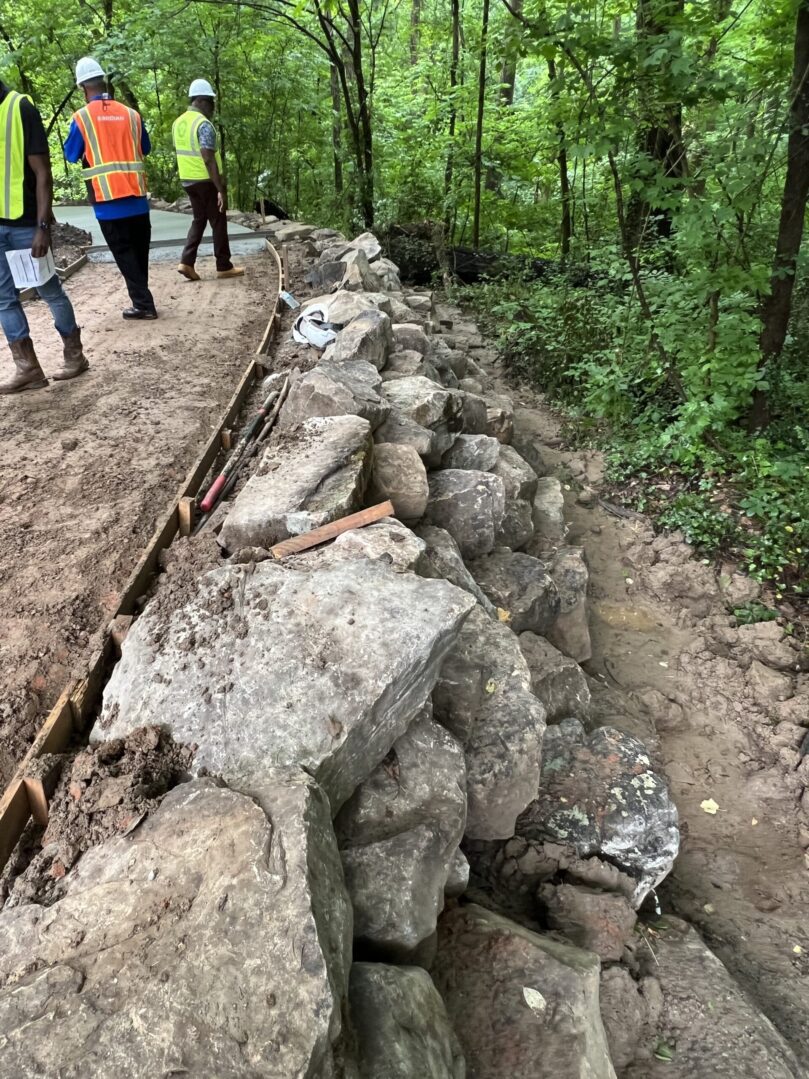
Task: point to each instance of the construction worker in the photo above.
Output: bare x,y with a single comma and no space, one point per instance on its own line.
200,166
111,141
26,195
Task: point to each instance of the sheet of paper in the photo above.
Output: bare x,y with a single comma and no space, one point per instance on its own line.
29,272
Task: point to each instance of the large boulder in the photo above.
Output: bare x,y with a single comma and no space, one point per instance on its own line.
399,430
598,921
302,481
557,680
410,336
442,558
352,388
398,835
431,406
399,474
321,668
707,1023
402,1027
406,363
210,941
519,585
386,540
523,1005
599,797
358,276
520,482
469,505
388,274
549,510
368,337
483,697
500,417
473,408
369,245
570,632
478,452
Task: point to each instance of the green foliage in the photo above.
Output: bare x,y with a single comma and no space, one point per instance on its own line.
750,613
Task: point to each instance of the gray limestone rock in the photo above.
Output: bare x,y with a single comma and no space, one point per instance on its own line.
499,416
323,668
474,414
483,697
520,482
443,559
557,680
706,1018
598,921
289,232
398,835
387,540
521,586
369,245
350,388
303,480
325,275
599,796
368,337
421,302
402,1027
570,632
399,430
522,1005
549,510
472,452
406,362
210,941
458,877
411,337
469,505
388,274
399,474
431,406
359,276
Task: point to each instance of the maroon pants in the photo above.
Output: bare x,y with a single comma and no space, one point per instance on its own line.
206,211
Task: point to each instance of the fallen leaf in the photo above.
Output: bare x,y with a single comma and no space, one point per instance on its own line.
754,822
504,616
709,908
798,950
491,686
709,806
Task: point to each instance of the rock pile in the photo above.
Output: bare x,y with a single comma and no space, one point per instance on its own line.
361,723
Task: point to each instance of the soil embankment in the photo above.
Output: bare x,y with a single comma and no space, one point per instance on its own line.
87,467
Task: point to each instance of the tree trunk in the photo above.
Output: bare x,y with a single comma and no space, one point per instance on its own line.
776,308
660,138
366,176
415,31
566,230
479,124
453,115
336,131
508,73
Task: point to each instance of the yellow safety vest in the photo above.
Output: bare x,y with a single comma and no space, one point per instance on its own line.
185,135
12,155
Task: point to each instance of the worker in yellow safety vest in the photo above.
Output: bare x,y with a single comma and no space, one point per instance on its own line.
111,141
26,196
200,166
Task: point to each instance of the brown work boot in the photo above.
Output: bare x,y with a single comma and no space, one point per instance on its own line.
29,375
75,360
234,271
188,272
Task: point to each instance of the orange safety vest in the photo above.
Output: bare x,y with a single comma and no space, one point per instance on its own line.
112,149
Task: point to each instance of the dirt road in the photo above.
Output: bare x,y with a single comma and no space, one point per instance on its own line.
87,467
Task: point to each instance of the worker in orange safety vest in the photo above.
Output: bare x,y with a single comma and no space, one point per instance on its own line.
111,141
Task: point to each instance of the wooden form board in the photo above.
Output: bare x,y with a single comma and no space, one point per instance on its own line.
79,699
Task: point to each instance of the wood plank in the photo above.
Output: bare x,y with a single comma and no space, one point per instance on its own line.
185,510
37,799
13,818
331,530
226,438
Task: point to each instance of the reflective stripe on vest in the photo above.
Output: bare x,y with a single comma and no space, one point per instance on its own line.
12,155
112,149
185,135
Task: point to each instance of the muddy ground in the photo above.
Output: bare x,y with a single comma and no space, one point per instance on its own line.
667,667
88,467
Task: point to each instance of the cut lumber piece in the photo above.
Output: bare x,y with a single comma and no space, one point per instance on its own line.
331,530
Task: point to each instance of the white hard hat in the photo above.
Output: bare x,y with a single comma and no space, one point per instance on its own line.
201,88
88,68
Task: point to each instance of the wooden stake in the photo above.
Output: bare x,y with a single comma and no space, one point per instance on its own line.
226,438
332,530
185,509
37,799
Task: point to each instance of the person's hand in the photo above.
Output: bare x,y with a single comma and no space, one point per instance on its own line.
221,201
41,243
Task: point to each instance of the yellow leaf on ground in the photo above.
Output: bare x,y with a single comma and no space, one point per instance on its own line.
504,616
709,806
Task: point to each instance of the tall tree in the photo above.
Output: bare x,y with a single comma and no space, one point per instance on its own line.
484,35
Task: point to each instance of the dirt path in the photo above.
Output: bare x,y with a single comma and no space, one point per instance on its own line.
87,467
667,666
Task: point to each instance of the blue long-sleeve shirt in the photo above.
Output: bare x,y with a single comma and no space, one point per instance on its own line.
130,205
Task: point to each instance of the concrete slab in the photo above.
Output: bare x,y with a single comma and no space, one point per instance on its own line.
165,225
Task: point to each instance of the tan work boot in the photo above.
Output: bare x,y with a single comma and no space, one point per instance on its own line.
75,360
188,272
29,375
234,271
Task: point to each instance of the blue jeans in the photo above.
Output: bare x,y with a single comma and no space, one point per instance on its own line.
12,316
